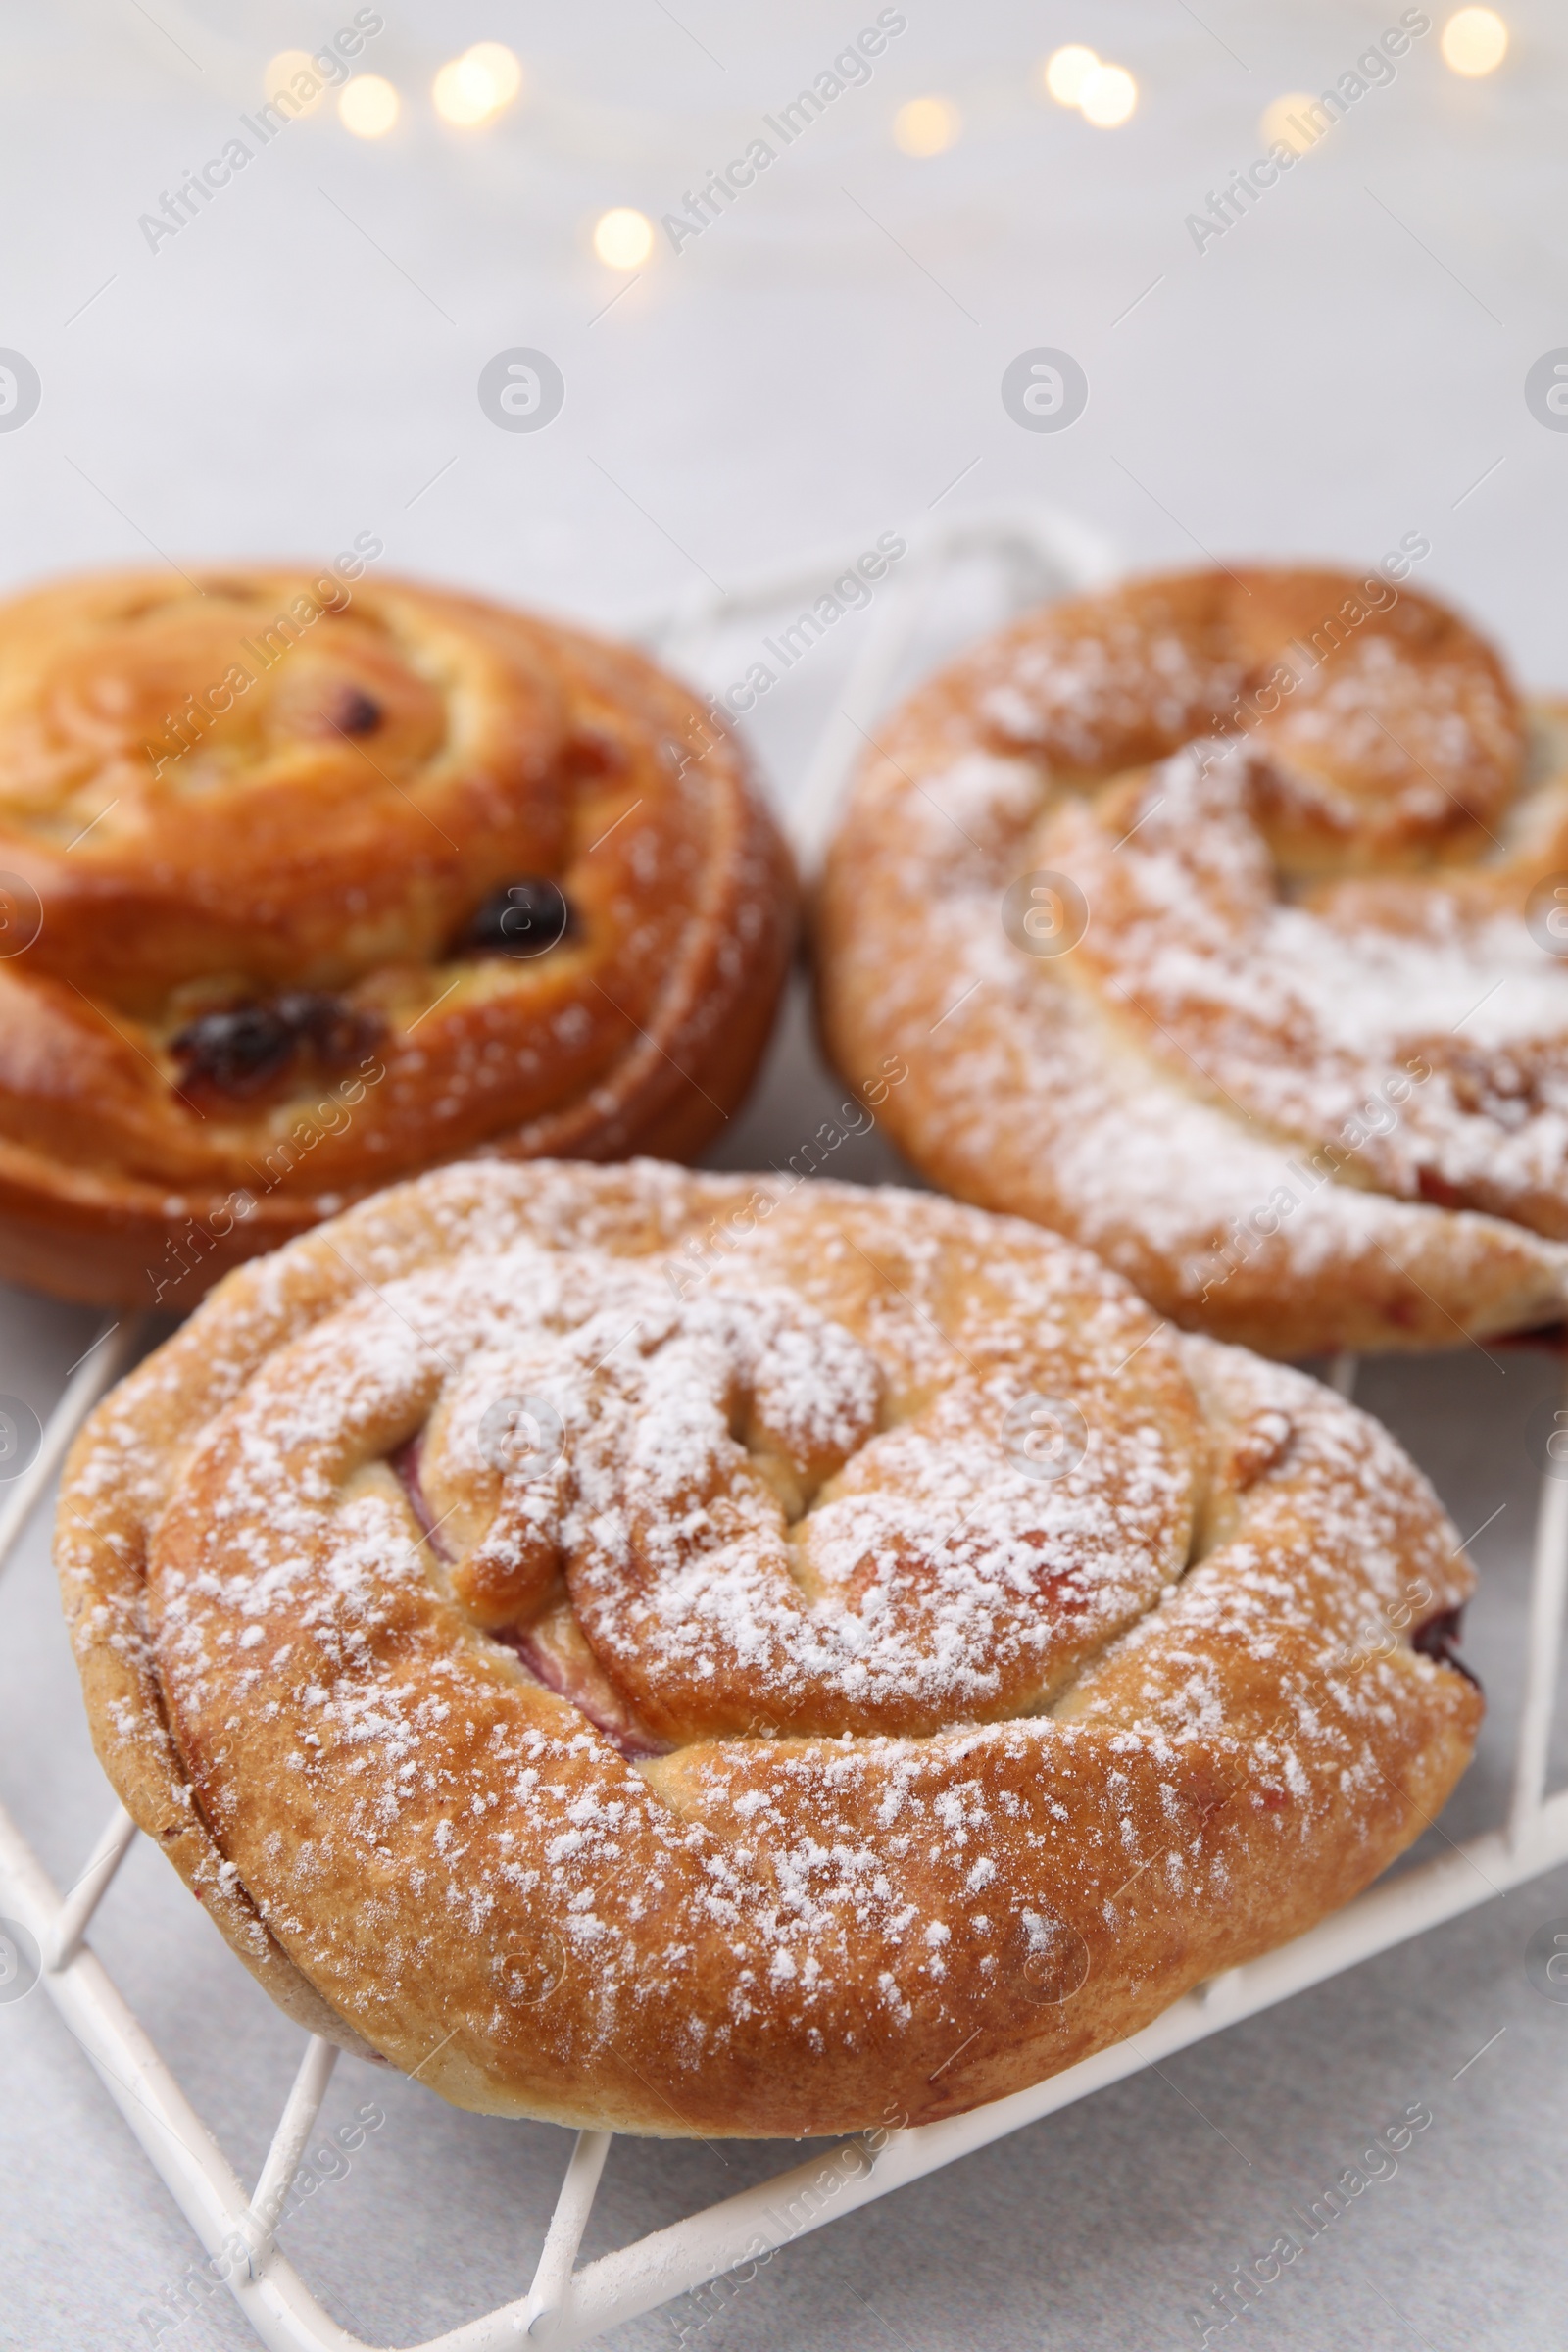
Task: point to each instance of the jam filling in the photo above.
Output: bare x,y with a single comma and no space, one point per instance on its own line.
560,1672
405,1465
1439,1639
564,1665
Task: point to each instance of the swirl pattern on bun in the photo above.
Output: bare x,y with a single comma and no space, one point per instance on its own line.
1220,919
853,1681
310,884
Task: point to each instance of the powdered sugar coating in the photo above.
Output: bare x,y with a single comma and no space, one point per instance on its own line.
782,1931
1303,1014
1326,898
742,1544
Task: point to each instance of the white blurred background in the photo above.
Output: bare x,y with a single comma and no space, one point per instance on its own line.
302,359
300,362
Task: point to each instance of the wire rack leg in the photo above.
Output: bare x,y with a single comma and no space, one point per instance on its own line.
550,2295
294,2125
84,1899
97,1371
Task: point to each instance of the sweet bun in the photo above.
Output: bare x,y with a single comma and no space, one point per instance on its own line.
1218,919
707,1656
309,882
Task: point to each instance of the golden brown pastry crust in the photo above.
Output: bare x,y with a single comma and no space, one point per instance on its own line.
1089,1737
284,800
1304,1078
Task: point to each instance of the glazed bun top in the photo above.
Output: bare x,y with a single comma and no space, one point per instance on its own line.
273,779
265,832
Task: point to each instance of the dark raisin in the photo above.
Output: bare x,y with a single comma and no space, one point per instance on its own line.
238,1050
342,710
243,1048
334,1029
521,918
1439,1639
357,712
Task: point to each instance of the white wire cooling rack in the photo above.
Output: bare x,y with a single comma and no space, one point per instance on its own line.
1032,556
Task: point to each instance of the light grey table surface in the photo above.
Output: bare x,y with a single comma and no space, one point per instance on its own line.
1345,365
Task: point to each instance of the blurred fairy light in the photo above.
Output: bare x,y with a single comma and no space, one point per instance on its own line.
280,72
925,126
367,106
624,238
494,62
1475,41
476,86
1108,96
456,99
1288,121
1067,70
1103,95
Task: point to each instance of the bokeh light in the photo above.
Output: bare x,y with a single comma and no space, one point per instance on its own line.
1278,128
1108,96
624,238
1067,70
1475,41
280,71
925,126
477,85
368,106
495,61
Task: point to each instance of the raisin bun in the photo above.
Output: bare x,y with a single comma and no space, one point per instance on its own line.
309,883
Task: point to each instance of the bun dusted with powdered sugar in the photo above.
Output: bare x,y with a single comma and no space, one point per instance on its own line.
855,1671
1219,922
